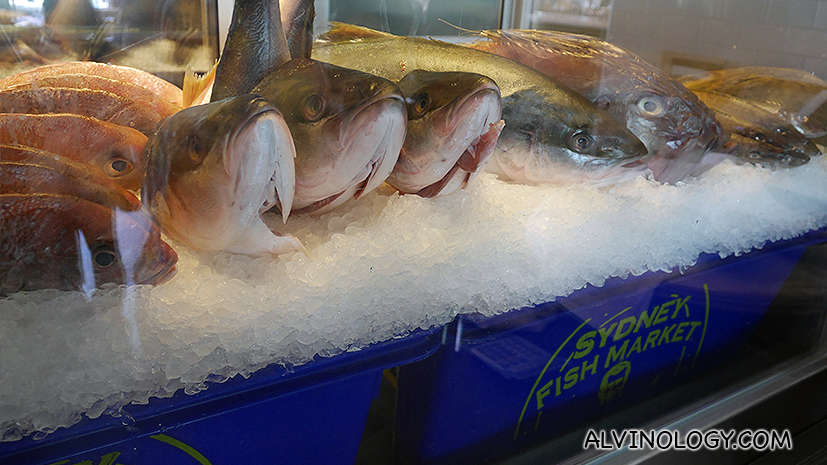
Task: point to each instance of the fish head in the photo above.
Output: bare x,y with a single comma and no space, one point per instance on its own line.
452,130
348,127
580,143
677,128
764,154
212,168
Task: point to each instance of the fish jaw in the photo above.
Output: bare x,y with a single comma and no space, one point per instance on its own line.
365,147
469,165
454,142
215,205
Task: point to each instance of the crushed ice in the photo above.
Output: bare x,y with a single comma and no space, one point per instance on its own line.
379,268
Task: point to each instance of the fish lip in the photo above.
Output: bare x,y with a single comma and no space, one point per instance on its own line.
459,105
344,120
469,166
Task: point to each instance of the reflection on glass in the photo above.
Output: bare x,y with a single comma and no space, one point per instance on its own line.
161,36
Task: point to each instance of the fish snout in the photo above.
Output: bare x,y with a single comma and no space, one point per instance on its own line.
621,147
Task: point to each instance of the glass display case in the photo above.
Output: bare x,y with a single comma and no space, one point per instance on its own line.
516,231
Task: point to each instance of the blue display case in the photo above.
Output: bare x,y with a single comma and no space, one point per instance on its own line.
503,384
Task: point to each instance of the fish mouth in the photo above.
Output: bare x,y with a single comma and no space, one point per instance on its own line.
468,165
607,172
165,271
467,133
280,187
370,138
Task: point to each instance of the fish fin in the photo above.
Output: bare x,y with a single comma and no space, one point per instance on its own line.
195,86
258,239
342,32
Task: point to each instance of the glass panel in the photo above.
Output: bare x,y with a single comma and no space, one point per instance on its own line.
417,17
160,36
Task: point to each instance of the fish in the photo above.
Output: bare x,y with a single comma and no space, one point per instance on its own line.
31,178
126,90
212,170
158,86
802,103
763,154
729,76
551,134
118,151
68,243
255,46
348,128
751,121
297,20
454,121
99,104
676,127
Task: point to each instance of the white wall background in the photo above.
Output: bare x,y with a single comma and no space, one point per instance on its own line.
789,33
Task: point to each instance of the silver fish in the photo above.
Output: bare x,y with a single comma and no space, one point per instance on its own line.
213,168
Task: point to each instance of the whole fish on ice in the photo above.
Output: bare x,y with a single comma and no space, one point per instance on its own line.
213,168
551,134
453,126
64,242
676,127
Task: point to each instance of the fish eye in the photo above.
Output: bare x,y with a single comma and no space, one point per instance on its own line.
118,166
651,105
754,155
759,137
104,257
781,130
580,141
194,149
419,103
313,107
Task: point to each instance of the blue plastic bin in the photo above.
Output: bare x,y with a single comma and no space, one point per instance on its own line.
313,414
502,384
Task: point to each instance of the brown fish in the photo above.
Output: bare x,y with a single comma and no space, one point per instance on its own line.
67,243
123,89
30,178
100,104
754,122
763,154
164,89
677,128
116,150
802,103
